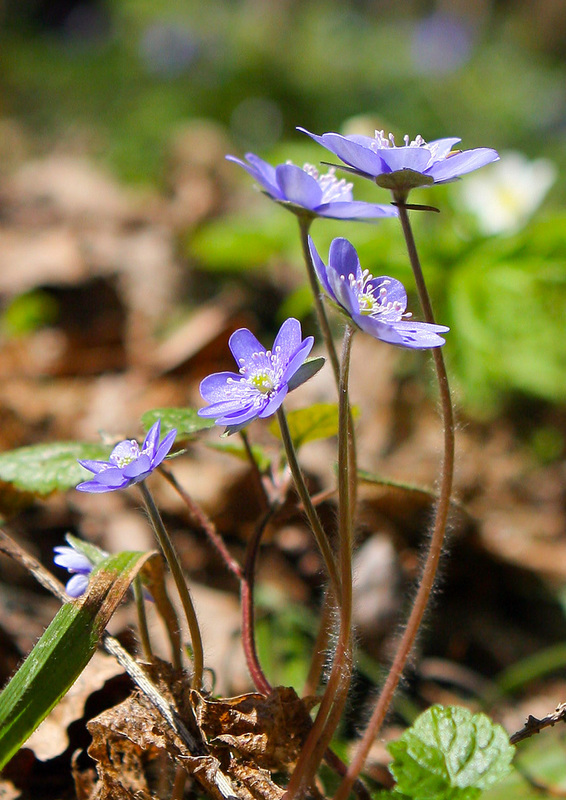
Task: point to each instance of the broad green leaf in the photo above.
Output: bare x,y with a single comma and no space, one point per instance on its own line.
450,754
45,468
319,421
63,651
185,420
237,449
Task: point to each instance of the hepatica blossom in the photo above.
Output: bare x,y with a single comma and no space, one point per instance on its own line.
401,168
128,464
78,565
264,378
376,305
305,191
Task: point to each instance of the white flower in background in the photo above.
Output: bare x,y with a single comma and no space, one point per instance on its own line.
503,199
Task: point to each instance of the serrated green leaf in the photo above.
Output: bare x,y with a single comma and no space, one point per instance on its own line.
63,651
45,468
319,421
185,420
450,754
236,449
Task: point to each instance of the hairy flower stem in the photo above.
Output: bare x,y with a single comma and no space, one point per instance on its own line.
320,646
142,620
334,698
247,595
174,565
310,510
437,537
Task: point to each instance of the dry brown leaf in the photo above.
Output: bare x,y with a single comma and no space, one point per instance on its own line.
270,730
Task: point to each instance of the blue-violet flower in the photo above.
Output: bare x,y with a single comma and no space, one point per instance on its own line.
128,464
265,376
306,192
376,305
78,565
401,168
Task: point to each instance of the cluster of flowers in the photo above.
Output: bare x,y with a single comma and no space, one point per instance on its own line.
376,305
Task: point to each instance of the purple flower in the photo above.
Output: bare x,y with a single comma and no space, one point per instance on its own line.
78,565
413,164
305,191
264,378
127,463
376,305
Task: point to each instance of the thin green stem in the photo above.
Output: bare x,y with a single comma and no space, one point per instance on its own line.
335,695
142,620
310,511
175,566
436,540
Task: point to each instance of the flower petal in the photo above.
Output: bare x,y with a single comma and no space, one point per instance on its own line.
151,441
420,335
298,187
77,585
93,466
141,466
461,163
320,269
243,345
71,559
260,171
396,294
95,486
298,359
397,158
355,209
441,147
243,414
350,151
274,402
343,261
125,451
287,340
164,448
219,387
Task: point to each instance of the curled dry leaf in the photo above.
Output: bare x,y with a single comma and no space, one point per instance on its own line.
270,730
240,741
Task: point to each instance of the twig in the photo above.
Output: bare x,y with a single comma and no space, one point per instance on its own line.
534,725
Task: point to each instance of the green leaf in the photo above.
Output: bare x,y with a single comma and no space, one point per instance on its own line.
450,754
319,421
306,371
45,468
94,554
236,449
63,651
185,420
